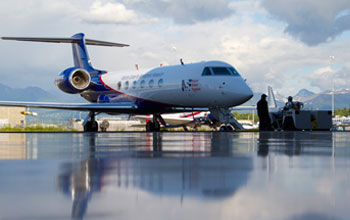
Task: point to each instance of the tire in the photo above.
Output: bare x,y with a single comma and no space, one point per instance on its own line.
91,127
229,128
87,126
94,127
150,126
222,128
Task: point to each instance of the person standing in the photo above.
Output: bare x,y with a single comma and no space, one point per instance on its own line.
263,113
289,104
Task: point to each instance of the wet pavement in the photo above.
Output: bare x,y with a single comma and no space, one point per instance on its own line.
201,175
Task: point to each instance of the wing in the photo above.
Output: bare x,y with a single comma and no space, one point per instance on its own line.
100,107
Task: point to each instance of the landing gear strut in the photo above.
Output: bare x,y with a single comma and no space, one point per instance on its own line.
91,125
154,125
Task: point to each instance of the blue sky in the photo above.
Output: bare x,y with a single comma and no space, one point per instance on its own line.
285,44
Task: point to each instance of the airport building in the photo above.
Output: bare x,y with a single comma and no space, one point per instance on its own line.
11,116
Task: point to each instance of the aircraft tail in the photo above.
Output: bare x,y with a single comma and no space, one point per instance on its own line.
271,98
80,55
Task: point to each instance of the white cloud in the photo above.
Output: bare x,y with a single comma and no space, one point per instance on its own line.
113,13
324,78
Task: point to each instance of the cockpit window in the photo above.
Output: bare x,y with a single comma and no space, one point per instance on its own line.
234,71
206,72
221,71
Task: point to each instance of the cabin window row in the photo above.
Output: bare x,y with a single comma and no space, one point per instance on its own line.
220,71
125,85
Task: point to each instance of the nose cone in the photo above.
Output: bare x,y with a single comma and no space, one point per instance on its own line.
246,94
239,93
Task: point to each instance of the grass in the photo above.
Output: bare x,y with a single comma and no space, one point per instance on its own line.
35,128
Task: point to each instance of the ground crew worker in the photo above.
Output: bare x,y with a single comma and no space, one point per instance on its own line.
289,104
263,113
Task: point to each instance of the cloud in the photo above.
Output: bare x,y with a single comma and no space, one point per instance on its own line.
113,13
312,22
183,11
260,50
324,78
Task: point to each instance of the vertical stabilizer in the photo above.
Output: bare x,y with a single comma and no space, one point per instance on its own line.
80,54
271,98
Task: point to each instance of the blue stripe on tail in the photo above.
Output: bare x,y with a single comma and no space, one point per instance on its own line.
80,54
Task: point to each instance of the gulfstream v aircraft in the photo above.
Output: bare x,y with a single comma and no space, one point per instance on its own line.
214,85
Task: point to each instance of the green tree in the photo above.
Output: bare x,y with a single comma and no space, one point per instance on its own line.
342,112
246,116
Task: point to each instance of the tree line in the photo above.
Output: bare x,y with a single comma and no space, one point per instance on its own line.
342,112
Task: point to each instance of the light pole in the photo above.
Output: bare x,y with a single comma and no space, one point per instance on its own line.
331,59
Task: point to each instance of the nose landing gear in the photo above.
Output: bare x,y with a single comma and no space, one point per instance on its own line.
226,118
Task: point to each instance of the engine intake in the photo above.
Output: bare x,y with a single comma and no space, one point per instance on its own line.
73,80
80,79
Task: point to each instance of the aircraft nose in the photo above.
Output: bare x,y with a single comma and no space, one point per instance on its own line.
241,94
247,93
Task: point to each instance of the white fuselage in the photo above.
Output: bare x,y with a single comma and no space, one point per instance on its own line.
181,85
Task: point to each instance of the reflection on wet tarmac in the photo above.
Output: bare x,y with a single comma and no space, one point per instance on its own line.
209,175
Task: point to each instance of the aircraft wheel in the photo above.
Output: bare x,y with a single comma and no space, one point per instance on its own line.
226,128
150,126
94,126
91,127
229,128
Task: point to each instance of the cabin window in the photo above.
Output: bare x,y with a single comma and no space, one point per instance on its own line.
151,83
119,85
134,85
126,85
206,72
142,84
234,71
160,83
221,71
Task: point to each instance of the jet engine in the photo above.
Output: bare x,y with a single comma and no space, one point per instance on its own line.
73,80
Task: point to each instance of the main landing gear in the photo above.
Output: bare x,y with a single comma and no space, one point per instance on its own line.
154,125
91,125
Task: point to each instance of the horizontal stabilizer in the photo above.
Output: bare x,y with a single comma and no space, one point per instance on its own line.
66,40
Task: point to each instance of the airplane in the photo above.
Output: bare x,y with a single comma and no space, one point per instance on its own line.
28,112
213,86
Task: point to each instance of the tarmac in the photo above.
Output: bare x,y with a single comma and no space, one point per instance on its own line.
175,175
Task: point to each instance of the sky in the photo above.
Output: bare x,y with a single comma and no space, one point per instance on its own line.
289,45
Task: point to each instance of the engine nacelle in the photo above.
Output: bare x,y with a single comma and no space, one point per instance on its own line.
73,80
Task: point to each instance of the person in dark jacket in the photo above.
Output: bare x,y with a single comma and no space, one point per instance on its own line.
263,113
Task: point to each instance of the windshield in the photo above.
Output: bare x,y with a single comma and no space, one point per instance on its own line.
220,71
